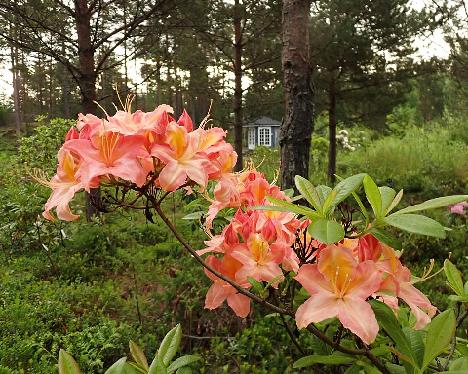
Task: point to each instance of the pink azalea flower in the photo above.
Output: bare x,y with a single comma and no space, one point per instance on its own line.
182,158
221,290
260,260
397,282
339,287
64,186
110,154
128,123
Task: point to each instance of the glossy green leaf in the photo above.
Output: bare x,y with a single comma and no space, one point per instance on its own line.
343,189
390,324
67,364
417,345
170,344
386,238
395,369
454,278
438,202
181,362
157,366
336,359
373,195
417,224
395,202
121,367
326,231
184,370
459,364
285,206
193,216
138,355
439,335
323,192
308,191
387,194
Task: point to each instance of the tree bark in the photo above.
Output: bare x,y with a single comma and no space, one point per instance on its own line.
332,131
16,99
297,126
86,81
238,120
87,78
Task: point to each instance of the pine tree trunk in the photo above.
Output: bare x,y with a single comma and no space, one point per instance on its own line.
87,78
238,120
297,126
86,81
16,100
332,131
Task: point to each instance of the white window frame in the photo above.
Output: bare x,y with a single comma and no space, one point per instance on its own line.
264,139
251,138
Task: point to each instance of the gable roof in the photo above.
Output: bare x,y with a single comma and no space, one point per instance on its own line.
263,121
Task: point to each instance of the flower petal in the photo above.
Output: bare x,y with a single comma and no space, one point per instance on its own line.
356,315
319,307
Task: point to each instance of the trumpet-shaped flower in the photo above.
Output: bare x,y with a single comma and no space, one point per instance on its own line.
339,287
182,158
398,283
64,185
221,290
110,154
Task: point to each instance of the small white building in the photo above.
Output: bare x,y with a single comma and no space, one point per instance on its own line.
263,131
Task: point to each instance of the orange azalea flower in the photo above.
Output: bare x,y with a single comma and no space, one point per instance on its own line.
339,287
64,185
221,290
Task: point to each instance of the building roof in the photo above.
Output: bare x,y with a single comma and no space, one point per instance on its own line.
263,121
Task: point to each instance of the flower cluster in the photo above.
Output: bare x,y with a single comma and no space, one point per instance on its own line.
256,244
137,148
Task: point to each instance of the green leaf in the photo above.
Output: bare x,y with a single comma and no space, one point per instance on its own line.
434,203
373,195
67,364
170,345
454,278
387,194
138,355
193,216
181,362
284,206
439,334
395,201
121,367
395,369
184,370
326,231
417,224
386,238
308,191
157,366
346,187
323,192
459,364
256,285
336,359
390,324
417,344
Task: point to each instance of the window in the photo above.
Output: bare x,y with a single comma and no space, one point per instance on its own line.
264,136
251,138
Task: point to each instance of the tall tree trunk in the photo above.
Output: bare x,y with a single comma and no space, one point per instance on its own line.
332,130
297,126
16,99
86,81
87,78
238,120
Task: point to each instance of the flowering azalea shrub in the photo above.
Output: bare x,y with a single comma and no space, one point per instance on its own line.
331,256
